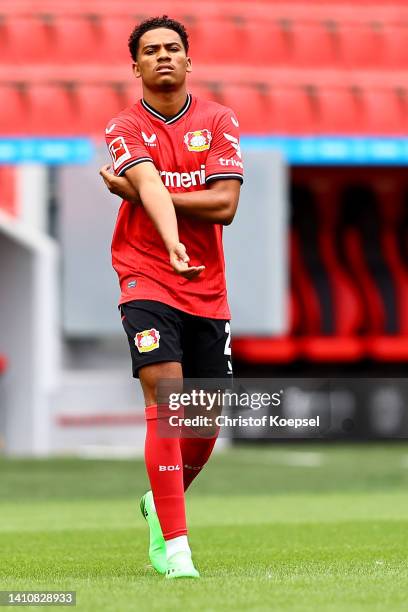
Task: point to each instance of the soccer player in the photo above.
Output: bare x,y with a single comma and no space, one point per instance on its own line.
177,165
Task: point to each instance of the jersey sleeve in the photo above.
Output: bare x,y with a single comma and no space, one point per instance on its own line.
224,160
125,145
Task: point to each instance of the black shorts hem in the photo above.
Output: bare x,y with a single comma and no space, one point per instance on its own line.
159,333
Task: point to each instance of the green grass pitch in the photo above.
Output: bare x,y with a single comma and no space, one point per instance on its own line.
285,528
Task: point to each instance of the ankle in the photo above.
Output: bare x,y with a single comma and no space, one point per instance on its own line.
176,545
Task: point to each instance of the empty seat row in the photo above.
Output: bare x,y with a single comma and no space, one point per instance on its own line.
53,110
300,44
74,39
331,110
85,109
325,10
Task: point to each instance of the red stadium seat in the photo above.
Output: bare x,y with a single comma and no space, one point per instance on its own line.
313,44
262,43
291,111
395,46
361,45
14,122
276,110
338,111
51,111
384,113
113,35
96,105
75,40
25,40
251,105
216,41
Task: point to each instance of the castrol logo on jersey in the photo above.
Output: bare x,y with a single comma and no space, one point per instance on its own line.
147,340
199,140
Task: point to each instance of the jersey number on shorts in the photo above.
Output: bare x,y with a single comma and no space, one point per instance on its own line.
227,350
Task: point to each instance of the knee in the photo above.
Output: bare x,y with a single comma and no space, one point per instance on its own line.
151,375
150,394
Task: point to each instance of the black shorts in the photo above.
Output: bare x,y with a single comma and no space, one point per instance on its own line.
158,332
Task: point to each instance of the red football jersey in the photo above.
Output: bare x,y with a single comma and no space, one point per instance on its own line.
200,144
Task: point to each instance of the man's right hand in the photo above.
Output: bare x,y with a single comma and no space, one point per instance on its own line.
179,262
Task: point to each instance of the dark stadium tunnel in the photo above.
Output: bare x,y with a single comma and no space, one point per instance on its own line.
306,223
360,211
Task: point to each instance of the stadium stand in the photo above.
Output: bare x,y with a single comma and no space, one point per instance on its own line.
292,68
369,240
331,312
307,68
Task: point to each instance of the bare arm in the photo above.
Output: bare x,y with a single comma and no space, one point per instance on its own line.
217,204
145,181
155,199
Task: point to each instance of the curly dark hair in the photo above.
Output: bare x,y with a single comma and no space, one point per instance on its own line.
153,24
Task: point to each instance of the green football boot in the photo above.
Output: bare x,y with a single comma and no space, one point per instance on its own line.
181,565
157,545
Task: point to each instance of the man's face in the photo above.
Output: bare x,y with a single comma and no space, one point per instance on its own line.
162,63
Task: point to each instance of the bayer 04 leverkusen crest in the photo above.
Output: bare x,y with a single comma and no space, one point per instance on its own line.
147,340
199,140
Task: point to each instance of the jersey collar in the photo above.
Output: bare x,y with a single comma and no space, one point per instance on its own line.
167,120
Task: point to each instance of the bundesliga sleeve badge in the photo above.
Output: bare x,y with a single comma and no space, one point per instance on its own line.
119,151
198,141
147,340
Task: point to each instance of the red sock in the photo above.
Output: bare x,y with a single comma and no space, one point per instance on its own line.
164,467
195,453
